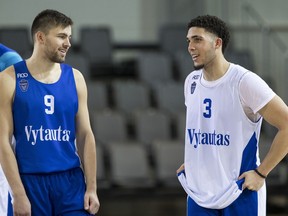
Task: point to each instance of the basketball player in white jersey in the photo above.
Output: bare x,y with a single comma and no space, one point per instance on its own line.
43,103
222,173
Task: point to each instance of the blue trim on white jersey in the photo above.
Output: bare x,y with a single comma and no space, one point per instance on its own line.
249,160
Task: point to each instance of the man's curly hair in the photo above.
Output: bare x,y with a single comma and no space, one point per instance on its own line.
213,25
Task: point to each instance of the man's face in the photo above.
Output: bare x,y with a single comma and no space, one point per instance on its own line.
201,46
57,43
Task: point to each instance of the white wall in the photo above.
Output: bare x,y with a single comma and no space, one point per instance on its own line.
138,20
130,20
124,16
274,12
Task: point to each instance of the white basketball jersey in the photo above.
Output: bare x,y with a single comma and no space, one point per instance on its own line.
4,187
221,142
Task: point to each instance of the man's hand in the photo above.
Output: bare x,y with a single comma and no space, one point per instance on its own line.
252,180
91,202
21,206
180,169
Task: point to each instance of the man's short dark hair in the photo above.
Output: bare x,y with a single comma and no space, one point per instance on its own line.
48,19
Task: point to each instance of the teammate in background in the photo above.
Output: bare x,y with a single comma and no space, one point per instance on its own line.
43,103
222,173
8,57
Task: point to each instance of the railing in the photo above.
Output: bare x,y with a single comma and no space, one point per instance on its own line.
268,48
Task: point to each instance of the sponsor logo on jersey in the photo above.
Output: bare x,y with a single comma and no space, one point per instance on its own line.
197,138
196,77
41,134
23,84
22,75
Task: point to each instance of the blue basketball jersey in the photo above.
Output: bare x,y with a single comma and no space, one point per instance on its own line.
44,122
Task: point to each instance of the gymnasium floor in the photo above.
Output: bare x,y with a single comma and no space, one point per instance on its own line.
163,202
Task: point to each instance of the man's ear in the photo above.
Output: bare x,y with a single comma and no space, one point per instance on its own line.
40,37
218,42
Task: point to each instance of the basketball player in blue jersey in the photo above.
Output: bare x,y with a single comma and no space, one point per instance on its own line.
8,57
226,103
43,103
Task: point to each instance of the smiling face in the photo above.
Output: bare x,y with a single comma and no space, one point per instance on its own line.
57,43
202,46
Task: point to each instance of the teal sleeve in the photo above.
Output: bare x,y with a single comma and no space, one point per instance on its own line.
8,59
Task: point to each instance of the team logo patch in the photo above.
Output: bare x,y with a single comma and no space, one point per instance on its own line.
23,84
193,87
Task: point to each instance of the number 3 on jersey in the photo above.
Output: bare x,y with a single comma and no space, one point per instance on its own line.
207,107
49,102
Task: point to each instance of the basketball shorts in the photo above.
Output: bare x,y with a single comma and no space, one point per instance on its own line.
249,203
57,194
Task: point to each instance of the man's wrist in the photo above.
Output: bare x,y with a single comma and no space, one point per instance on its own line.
260,174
